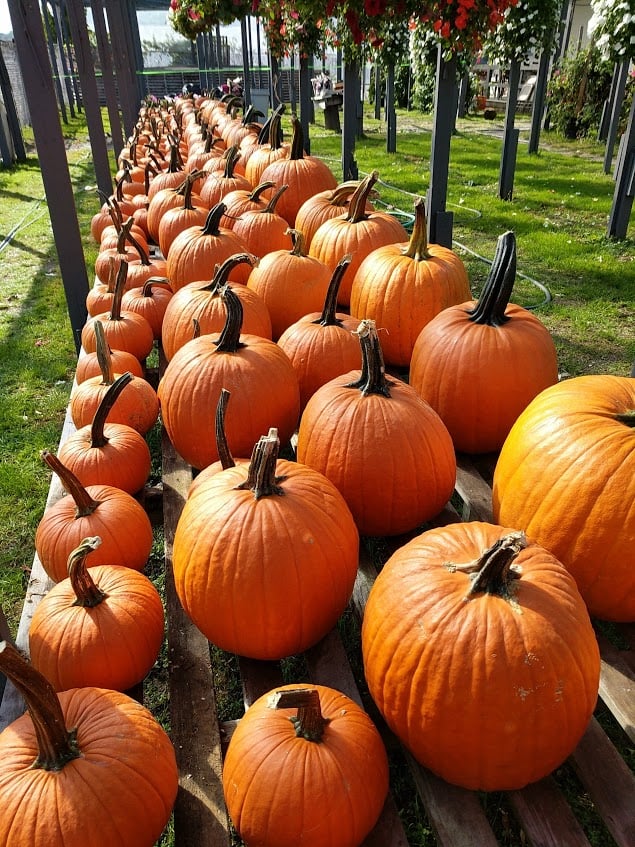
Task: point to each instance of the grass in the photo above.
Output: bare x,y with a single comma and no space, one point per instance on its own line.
581,285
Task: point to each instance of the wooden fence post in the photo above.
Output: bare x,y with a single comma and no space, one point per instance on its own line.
445,99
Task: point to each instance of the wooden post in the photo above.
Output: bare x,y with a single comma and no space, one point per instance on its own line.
510,136
305,101
86,70
349,132
439,220
123,62
107,76
624,182
246,63
621,77
540,97
463,88
12,113
377,91
56,74
28,32
65,44
391,113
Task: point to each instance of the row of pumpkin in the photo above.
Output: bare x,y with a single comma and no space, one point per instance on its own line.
472,632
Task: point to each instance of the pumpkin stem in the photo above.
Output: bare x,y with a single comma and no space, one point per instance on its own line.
254,196
494,574
627,417
229,339
329,312
120,287
297,139
212,222
297,237
87,593
222,271
261,477
357,206
224,453
231,155
270,208
152,282
123,235
104,357
97,437
372,379
309,722
494,299
417,248
56,745
84,503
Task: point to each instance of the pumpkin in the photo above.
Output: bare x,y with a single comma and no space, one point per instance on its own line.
244,200
566,476
119,253
221,178
480,364
265,556
403,286
108,453
254,368
202,302
313,748
186,214
323,206
271,147
264,229
170,197
480,655
305,175
322,345
291,283
172,176
137,405
111,513
123,330
151,301
197,250
359,232
385,449
102,625
88,766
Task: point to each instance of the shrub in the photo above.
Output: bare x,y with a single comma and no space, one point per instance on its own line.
577,90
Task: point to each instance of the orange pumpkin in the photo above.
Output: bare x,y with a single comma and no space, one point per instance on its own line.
293,590
323,206
480,655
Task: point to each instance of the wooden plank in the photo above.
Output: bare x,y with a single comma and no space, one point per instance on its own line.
455,814
546,817
200,817
617,684
609,781
474,491
257,678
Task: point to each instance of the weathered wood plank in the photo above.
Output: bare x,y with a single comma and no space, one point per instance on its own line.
546,817
617,684
200,817
474,491
610,783
257,678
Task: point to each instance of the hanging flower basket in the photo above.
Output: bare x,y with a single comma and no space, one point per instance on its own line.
192,17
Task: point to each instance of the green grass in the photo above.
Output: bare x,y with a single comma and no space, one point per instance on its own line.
559,213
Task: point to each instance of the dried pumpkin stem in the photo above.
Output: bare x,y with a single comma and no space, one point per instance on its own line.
224,453
417,248
229,339
84,503
212,223
372,379
87,593
494,574
329,312
97,437
627,417
104,357
309,722
261,477
56,745
494,299
357,207
222,271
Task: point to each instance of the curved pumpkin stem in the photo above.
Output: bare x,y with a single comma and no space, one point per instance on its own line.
357,206
261,478
120,287
493,569
329,312
270,208
627,418
297,237
309,722
224,453
104,357
297,139
87,593
229,339
97,437
84,504
372,379
56,745
222,271
417,248
271,132
212,222
494,299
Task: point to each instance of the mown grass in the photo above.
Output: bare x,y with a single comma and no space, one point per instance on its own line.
559,213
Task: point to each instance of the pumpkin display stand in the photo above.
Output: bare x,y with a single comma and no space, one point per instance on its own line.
457,817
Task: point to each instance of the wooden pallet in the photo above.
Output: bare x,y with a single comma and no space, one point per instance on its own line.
456,816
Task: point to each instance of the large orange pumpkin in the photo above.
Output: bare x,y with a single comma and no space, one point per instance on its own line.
566,475
479,364
89,766
480,655
316,749
385,450
100,626
265,556
256,371
403,286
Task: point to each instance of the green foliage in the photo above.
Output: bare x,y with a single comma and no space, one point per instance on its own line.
577,90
